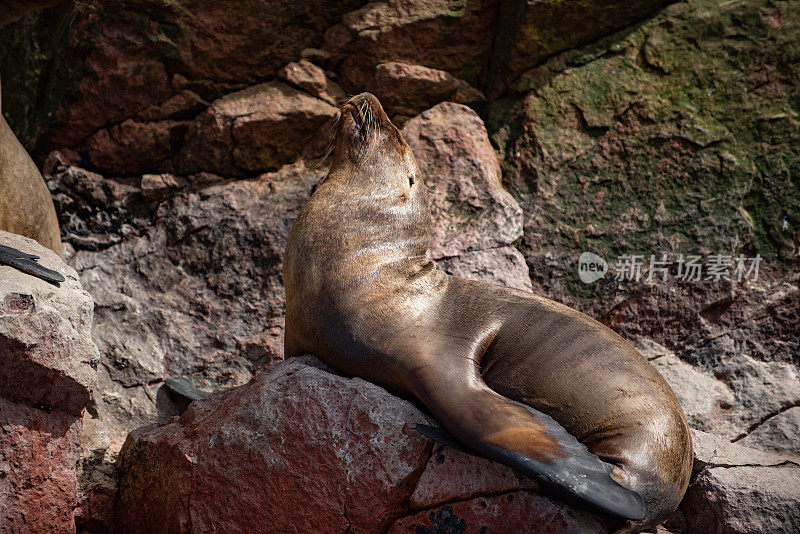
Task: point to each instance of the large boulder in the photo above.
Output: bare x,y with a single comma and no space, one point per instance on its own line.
47,373
408,90
48,358
345,450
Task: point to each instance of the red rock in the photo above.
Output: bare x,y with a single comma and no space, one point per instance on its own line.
471,209
134,147
518,511
306,76
161,185
441,34
48,357
310,450
141,54
38,456
259,128
452,475
411,89
47,372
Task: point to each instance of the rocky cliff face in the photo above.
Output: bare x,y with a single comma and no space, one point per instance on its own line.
180,139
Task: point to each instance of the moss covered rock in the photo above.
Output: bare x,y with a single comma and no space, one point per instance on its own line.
679,137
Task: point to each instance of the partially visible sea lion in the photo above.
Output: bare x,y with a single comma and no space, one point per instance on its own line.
26,207
513,376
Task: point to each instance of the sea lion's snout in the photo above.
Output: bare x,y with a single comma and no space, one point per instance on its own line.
362,123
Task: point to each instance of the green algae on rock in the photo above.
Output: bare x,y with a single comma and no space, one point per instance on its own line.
680,137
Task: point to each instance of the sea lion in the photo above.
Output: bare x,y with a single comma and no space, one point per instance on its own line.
511,375
26,207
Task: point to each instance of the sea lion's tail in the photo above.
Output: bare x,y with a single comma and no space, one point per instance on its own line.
520,437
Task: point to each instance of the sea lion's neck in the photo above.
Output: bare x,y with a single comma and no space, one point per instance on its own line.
380,226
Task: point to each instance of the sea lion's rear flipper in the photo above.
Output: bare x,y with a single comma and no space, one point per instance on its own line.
519,436
27,264
437,433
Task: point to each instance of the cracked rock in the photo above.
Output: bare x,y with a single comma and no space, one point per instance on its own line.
779,433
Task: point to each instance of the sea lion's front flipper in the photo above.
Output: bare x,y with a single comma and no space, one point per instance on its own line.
519,436
27,264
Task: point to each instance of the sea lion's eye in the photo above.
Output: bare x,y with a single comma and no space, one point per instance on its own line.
410,180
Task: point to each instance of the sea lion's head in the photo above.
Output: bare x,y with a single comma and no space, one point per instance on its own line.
369,149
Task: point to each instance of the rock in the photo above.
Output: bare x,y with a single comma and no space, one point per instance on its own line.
737,489
504,266
779,433
349,466
344,449
537,29
14,11
133,147
471,209
450,36
715,451
49,360
197,295
408,90
47,373
161,185
146,57
452,475
38,456
311,79
94,211
707,403
257,129
744,500
512,512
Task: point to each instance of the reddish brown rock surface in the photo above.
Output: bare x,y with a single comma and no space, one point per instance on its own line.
38,461
257,129
47,373
344,452
471,209
408,90
259,447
